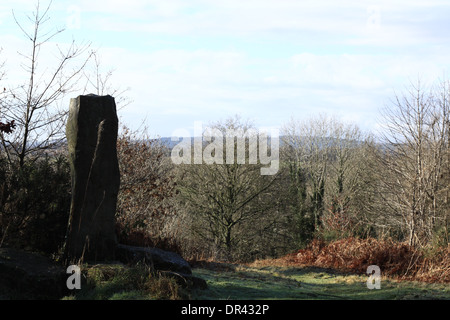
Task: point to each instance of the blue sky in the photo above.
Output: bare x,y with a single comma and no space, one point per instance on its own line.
268,60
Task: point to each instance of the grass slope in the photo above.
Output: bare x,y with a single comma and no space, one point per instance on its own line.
240,282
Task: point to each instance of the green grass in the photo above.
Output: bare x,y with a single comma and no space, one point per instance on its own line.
241,282
284,283
117,282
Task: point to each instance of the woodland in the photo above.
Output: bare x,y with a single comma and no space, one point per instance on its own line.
342,197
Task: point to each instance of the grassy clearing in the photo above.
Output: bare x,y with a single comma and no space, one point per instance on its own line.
249,282
239,282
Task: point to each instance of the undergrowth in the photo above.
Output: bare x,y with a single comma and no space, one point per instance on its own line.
396,260
118,282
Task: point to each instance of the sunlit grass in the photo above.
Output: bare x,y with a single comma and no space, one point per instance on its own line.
289,283
250,282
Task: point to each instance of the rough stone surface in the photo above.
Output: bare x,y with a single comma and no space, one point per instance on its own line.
164,262
159,259
92,136
26,275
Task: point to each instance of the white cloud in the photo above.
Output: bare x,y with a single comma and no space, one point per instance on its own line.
380,23
194,84
283,57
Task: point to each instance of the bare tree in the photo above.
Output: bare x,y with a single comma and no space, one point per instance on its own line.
6,127
99,82
309,143
345,191
222,197
145,211
35,106
324,156
415,145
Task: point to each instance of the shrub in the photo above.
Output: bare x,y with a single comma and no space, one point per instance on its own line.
122,282
394,259
144,209
35,204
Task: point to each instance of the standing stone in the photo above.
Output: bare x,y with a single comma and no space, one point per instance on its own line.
91,137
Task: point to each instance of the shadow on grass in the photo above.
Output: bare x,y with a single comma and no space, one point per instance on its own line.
310,283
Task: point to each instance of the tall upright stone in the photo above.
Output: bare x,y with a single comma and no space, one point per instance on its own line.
91,133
